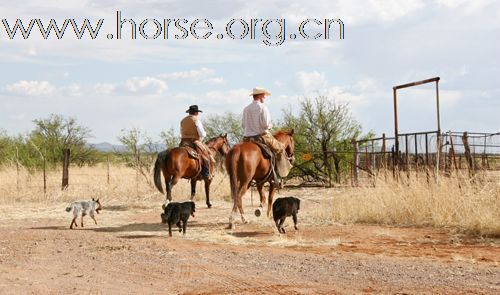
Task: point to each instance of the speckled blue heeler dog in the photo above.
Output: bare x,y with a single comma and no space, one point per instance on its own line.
84,208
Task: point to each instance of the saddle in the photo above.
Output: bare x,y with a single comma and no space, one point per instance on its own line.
266,151
268,154
195,153
191,150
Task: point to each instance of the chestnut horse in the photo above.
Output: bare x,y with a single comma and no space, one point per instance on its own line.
176,163
244,163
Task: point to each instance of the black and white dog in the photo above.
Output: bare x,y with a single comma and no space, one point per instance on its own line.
84,208
283,207
175,213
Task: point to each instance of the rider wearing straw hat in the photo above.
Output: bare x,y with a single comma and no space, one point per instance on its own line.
257,123
257,120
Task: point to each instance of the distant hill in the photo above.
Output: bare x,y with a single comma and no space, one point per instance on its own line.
108,147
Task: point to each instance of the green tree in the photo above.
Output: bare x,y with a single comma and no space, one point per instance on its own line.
323,133
6,147
170,138
55,133
141,151
228,122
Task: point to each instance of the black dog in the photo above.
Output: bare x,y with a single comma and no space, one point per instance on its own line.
283,207
177,212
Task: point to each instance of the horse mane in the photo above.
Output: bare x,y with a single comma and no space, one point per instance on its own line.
211,140
282,132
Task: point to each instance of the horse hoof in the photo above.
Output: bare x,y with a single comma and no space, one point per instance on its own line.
209,206
231,226
258,212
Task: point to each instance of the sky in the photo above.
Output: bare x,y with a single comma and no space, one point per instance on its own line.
110,84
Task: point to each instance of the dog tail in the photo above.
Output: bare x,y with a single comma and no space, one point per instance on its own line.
161,160
69,208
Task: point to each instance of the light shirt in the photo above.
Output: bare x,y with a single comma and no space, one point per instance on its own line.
200,129
256,119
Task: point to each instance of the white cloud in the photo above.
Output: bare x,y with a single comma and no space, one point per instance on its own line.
311,81
366,84
228,97
427,97
71,90
341,95
146,85
465,5
104,88
279,83
31,88
215,80
202,73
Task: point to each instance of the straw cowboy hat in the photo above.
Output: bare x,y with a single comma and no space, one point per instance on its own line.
259,90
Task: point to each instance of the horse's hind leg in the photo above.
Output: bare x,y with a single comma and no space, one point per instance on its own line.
193,188
173,181
168,187
207,191
243,189
231,218
272,189
240,207
260,189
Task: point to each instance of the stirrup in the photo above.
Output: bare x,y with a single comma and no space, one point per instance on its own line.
205,173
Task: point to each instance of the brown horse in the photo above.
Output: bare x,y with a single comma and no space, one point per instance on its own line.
244,163
176,163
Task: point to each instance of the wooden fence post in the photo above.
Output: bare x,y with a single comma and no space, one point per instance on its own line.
44,177
468,155
18,186
368,161
416,156
107,168
452,152
355,163
385,160
65,174
438,155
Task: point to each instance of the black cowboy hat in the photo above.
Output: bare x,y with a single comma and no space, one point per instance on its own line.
194,109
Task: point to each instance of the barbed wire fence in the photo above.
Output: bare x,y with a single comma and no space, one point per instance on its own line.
66,181
426,153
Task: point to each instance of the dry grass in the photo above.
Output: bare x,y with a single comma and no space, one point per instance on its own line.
88,182
468,207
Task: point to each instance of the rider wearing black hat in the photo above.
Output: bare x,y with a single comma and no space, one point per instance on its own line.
192,134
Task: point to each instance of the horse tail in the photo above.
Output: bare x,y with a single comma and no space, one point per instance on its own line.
232,168
161,160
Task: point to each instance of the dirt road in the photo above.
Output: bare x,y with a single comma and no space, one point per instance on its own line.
130,252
